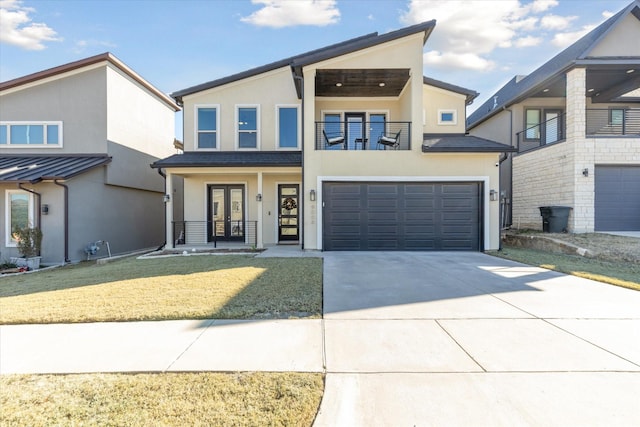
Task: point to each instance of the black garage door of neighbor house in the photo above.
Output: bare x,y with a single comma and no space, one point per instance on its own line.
407,216
617,198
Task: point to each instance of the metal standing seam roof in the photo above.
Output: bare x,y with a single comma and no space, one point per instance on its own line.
460,143
36,168
231,159
518,87
298,61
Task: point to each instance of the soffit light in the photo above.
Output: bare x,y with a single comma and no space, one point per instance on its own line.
545,90
339,84
630,71
382,84
590,90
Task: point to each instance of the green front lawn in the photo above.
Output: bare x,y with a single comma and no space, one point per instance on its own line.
182,287
171,399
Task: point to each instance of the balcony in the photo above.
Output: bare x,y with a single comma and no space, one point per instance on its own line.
549,132
613,122
362,135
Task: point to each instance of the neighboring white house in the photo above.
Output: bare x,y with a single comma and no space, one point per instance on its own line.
76,142
348,147
575,122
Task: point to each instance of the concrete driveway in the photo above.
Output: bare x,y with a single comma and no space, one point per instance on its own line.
466,339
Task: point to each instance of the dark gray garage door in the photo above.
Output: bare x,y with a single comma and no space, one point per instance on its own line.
401,216
617,198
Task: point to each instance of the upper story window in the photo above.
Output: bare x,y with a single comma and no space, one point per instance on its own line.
248,135
287,130
447,117
18,213
207,125
31,134
616,116
532,124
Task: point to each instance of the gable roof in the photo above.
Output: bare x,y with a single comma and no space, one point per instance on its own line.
461,143
519,88
34,168
297,62
86,62
470,94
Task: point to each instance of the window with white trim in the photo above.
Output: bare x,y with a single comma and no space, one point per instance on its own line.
247,127
287,127
447,117
18,213
31,134
207,125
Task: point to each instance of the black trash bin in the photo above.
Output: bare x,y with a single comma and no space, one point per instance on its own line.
555,219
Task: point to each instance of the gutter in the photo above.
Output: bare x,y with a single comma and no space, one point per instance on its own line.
38,205
66,219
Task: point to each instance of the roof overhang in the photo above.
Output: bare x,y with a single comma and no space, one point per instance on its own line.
386,82
207,159
460,143
27,168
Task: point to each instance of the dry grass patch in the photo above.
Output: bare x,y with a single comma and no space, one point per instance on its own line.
172,399
622,273
193,287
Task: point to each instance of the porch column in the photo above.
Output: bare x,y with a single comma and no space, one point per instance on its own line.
259,242
168,207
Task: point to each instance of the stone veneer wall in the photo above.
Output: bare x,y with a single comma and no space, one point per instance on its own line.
543,177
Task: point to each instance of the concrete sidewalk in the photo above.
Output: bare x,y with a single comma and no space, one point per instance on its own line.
180,345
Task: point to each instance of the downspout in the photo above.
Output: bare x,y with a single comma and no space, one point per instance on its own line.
504,157
301,80
66,219
38,205
164,176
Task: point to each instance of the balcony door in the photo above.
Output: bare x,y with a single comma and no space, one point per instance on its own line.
356,133
226,212
552,126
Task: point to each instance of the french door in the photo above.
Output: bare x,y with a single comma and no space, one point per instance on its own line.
288,208
225,212
355,130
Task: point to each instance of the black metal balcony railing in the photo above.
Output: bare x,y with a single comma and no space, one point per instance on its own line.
358,135
549,132
613,122
207,232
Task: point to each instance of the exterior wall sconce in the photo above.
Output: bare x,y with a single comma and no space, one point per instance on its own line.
312,195
258,197
45,209
166,198
493,195
585,172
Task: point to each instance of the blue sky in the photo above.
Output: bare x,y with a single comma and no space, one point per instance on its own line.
175,44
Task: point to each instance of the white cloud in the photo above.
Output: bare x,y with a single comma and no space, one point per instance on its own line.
468,31
287,13
565,39
469,61
556,22
18,29
81,46
528,41
607,14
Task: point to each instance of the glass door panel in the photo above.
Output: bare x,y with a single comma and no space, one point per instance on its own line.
288,229
377,129
226,212
355,134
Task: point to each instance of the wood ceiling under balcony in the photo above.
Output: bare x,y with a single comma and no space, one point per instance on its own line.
370,82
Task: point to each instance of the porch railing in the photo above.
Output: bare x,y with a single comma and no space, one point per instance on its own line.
360,135
544,133
212,232
613,122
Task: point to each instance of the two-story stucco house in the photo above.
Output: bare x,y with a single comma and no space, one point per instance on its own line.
348,147
75,145
575,122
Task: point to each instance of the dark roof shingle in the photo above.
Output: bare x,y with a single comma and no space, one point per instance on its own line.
231,159
459,143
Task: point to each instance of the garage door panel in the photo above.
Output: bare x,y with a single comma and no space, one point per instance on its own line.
401,216
617,198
